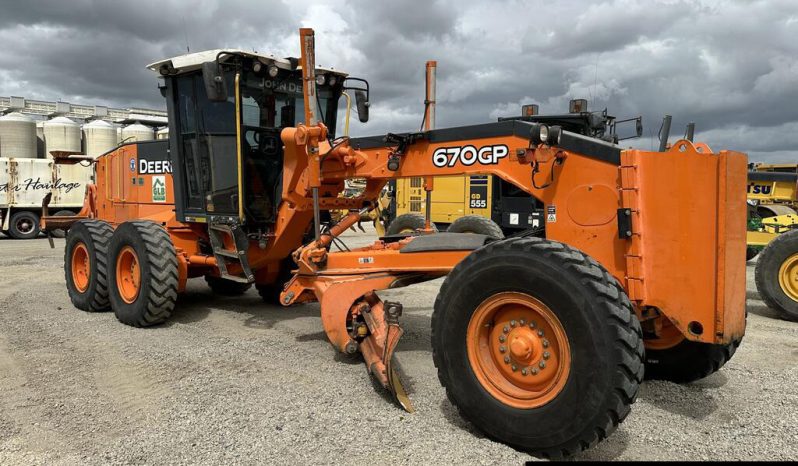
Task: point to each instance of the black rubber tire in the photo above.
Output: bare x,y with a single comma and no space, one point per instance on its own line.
226,287
476,224
158,269
751,252
766,274
404,222
270,293
602,329
688,361
24,225
60,232
96,235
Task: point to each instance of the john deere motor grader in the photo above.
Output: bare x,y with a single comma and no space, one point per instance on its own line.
538,342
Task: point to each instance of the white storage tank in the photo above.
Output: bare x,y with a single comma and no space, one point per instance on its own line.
99,137
17,136
61,133
162,133
137,132
40,140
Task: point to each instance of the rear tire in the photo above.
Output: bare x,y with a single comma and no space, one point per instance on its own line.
143,290
688,361
476,224
86,265
24,225
407,224
776,275
603,335
225,287
60,232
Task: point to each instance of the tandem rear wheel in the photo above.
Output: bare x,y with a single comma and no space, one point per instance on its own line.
537,345
143,265
672,357
86,264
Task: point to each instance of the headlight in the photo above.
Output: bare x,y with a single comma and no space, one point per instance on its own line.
539,134
273,70
256,67
553,138
320,79
333,79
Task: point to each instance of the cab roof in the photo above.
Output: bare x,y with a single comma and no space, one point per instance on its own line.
194,61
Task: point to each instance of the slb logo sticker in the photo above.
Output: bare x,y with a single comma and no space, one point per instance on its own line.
158,189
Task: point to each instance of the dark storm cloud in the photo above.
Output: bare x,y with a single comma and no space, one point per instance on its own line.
730,66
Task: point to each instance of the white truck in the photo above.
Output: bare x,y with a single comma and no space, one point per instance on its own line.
23,184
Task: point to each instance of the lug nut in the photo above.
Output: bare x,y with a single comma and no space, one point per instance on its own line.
506,329
545,343
502,338
534,371
523,371
546,355
513,323
540,333
542,364
502,349
507,359
522,322
514,368
532,324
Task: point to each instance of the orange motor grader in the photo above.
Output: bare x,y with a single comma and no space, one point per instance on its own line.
539,339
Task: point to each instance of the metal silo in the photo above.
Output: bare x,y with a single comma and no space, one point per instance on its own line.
162,133
40,140
61,133
99,137
17,136
137,132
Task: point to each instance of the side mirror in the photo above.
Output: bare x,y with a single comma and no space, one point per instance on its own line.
215,85
362,102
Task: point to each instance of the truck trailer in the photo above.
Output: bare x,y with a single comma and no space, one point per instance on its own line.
24,182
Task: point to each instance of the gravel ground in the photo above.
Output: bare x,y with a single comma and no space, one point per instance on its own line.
231,380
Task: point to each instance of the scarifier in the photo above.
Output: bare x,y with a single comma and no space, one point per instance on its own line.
539,341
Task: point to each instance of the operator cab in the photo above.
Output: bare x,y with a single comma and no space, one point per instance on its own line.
226,111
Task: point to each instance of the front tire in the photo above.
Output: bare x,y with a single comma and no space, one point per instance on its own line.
776,275
86,265
407,224
225,287
573,309
478,225
143,289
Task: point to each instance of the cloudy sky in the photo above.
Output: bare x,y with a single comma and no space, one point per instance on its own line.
730,66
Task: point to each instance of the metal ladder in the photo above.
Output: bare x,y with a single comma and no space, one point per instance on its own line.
226,257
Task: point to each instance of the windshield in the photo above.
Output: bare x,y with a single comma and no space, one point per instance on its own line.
279,103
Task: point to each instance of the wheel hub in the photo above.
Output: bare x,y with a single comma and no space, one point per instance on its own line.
518,350
81,267
788,277
128,274
25,226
